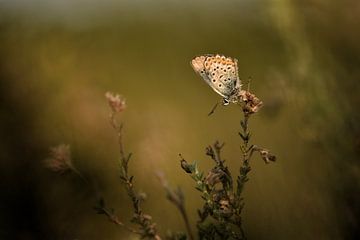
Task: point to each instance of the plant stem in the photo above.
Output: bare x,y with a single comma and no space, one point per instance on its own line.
245,168
187,223
115,220
144,222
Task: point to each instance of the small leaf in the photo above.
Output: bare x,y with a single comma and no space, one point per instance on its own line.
128,158
131,179
99,210
199,188
199,213
188,168
123,171
101,202
245,137
201,175
242,123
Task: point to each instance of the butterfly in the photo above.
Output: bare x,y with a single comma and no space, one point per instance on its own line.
221,73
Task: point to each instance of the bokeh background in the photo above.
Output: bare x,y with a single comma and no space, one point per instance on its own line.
58,58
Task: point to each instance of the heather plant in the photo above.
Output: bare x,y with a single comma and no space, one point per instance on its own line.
221,214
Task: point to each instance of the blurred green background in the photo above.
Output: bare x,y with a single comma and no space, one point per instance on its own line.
58,58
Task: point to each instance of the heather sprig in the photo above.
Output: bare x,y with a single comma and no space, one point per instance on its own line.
60,161
176,196
147,228
220,216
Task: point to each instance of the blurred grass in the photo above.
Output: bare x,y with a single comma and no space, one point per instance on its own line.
58,58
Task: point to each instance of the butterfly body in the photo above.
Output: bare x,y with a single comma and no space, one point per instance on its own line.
221,73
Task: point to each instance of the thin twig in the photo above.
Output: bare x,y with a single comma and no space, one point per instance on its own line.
245,168
187,223
148,228
113,218
177,198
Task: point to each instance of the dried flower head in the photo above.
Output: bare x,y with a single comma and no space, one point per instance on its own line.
225,207
214,176
188,168
116,102
141,196
267,156
60,159
251,104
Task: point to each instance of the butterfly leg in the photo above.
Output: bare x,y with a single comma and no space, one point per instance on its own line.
213,109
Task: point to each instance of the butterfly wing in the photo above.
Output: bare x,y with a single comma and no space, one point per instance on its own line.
219,72
198,65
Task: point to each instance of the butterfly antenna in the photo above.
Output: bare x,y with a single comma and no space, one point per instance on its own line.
248,84
213,109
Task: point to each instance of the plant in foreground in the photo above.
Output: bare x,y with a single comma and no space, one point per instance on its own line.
147,229
220,216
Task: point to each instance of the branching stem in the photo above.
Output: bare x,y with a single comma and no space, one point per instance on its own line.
113,218
147,227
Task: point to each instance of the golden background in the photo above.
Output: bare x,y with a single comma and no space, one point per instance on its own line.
58,58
